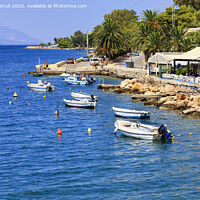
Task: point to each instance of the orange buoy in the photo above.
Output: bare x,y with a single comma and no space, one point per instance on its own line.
56,112
7,88
27,82
59,132
24,76
45,82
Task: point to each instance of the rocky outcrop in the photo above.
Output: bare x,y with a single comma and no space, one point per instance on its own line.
165,95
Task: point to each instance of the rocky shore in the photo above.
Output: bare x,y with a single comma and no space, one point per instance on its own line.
164,94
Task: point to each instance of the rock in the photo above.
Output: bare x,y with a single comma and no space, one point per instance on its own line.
165,99
196,99
129,86
149,93
132,81
136,87
124,83
154,89
181,96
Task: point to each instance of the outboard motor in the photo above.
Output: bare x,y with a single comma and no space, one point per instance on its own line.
92,97
165,134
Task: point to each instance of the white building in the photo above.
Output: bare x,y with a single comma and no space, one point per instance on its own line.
168,62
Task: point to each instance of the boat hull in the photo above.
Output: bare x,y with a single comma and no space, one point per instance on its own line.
131,113
80,104
140,132
43,88
80,96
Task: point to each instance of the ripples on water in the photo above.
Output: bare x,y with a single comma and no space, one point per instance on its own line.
36,164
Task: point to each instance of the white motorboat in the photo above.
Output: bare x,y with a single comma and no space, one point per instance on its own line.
143,131
41,87
79,80
80,96
131,113
76,80
81,103
65,75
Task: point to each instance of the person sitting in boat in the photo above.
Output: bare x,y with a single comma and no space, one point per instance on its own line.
46,66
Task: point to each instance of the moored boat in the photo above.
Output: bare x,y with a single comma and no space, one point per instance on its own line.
80,96
131,113
41,87
65,75
79,80
143,131
81,103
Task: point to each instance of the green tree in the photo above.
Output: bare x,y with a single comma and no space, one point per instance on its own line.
42,44
183,17
150,16
177,38
193,3
55,40
122,17
144,34
79,39
156,41
109,37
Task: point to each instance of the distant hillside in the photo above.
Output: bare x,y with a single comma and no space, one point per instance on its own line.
10,36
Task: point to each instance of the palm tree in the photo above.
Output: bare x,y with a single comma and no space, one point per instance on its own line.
139,41
177,38
150,16
144,33
109,37
156,42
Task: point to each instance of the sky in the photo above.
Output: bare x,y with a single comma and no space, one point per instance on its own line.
46,23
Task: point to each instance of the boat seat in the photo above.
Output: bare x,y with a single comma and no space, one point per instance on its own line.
40,82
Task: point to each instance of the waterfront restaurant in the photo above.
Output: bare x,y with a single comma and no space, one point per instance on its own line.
170,62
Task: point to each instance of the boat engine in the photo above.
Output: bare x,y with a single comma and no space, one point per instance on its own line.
50,89
165,134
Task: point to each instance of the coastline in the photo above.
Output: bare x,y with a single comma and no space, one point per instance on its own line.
182,97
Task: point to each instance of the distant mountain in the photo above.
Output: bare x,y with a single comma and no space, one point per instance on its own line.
10,36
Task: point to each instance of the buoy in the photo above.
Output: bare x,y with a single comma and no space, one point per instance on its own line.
10,102
70,88
28,82
7,88
89,130
190,134
49,76
44,97
56,112
59,132
108,94
29,104
15,95
45,82
24,76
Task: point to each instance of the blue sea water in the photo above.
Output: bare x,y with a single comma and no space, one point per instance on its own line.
37,164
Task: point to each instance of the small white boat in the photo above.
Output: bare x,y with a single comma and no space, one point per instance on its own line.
78,80
81,103
131,113
41,87
65,75
80,96
143,131
75,80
